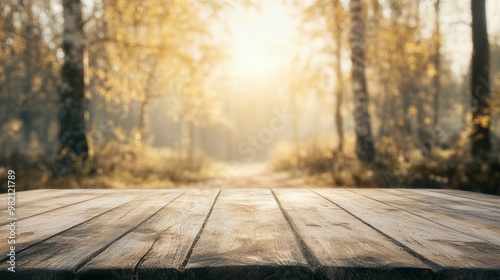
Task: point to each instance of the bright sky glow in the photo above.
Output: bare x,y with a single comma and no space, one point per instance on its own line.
262,40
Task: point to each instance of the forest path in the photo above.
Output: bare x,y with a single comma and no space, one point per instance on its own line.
255,175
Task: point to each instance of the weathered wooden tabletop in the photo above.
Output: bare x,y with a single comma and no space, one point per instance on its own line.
254,234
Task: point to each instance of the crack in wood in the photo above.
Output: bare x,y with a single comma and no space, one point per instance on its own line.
135,272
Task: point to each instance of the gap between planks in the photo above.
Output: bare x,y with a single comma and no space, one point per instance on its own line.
431,264
392,261
197,238
57,208
34,243
306,251
102,249
312,261
459,256
156,248
425,214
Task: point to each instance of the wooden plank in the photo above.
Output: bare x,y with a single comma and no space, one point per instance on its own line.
417,204
458,204
456,255
344,247
247,237
27,193
34,191
70,249
157,248
32,198
51,203
493,200
37,228
458,199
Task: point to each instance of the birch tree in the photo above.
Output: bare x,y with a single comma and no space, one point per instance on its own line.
339,87
72,121
364,138
437,65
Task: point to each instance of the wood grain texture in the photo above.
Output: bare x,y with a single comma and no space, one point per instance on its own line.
383,234
31,199
418,204
40,227
70,249
26,210
452,253
460,200
157,248
457,204
492,200
247,237
343,245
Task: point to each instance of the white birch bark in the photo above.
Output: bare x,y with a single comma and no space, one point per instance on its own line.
364,139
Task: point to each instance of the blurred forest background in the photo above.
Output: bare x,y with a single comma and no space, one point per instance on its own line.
162,93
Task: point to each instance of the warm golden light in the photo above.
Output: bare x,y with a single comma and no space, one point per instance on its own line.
261,41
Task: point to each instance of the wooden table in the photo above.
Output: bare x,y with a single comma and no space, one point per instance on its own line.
254,234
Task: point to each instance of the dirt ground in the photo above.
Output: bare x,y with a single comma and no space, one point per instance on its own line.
253,176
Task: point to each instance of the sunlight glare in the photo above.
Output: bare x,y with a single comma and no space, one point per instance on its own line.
262,41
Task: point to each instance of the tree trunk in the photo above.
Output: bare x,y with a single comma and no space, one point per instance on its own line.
420,99
143,117
405,123
72,92
364,139
480,84
229,132
338,114
229,145
339,88
203,139
190,145
422,123
27,117
295,129
436,81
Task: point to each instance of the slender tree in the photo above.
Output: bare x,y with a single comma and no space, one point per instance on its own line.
72,121
436,79
364,138
339,87
480,83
